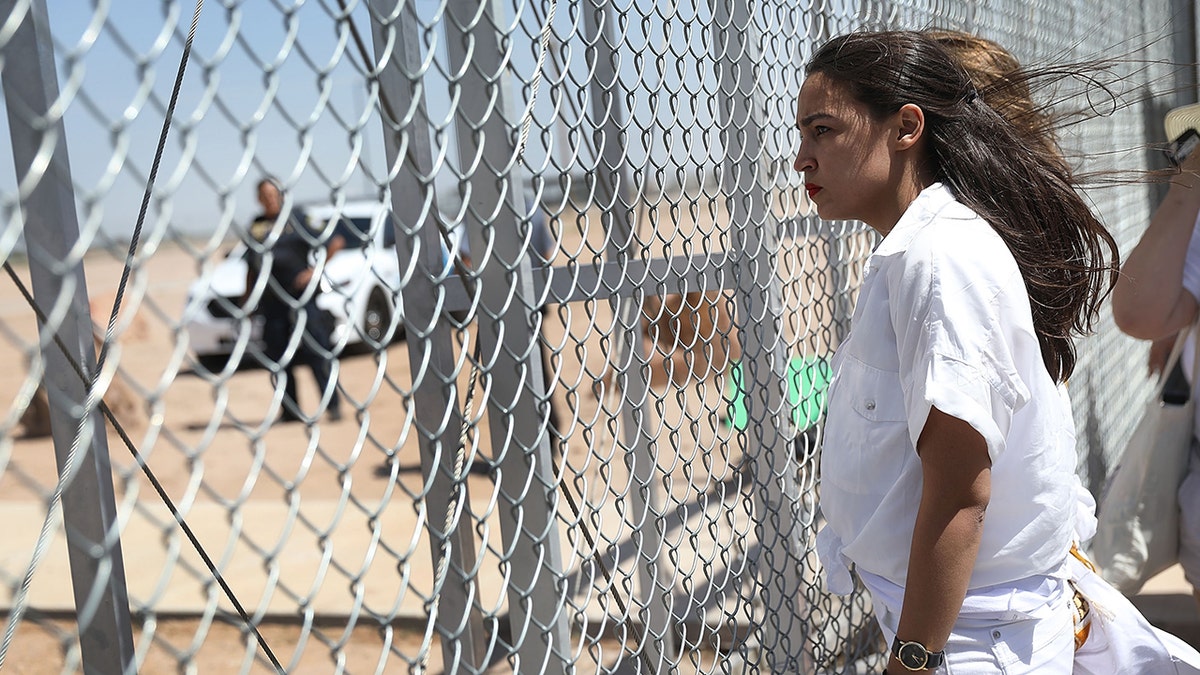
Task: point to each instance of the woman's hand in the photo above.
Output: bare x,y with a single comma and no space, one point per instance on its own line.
335,244
1160,349
302,279
1189,171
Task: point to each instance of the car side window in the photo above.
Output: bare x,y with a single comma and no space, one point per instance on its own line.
361,227
356,232
389,231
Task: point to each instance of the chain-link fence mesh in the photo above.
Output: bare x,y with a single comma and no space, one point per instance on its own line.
568,412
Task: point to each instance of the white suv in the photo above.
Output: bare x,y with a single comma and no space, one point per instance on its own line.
359,288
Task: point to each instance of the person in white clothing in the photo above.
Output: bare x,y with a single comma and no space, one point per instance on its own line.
1157,296
947,473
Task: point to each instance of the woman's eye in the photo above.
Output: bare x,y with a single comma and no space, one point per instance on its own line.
819,130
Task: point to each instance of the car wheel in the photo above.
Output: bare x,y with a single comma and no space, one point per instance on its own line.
377,318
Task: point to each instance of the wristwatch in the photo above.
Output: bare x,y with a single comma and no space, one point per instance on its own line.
914,655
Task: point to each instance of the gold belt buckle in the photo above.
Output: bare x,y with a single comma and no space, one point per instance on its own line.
1083,618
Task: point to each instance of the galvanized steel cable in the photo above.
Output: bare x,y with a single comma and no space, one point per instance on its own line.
94,398
458,477
686,543
154,482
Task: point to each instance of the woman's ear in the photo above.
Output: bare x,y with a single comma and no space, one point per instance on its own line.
911,122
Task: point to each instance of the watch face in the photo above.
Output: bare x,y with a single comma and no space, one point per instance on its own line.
913,655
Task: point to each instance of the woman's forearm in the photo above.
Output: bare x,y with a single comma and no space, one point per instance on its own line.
945,545
957,480
1148,299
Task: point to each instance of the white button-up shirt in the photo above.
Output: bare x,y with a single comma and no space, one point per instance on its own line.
943,319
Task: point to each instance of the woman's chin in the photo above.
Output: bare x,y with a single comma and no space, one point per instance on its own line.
827,212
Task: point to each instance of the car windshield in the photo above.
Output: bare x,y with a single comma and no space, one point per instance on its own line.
356,231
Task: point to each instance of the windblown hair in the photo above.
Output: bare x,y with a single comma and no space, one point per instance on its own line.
1012,177
1004,86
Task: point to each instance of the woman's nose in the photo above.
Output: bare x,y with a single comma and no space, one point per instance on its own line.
804,161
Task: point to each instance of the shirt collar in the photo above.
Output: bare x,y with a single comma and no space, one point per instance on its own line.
920,212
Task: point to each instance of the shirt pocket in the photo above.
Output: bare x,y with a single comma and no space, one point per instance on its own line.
866,441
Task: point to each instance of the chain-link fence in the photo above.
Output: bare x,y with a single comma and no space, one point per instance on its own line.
550,398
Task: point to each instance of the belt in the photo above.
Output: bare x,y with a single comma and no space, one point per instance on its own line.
1082,609
1083,616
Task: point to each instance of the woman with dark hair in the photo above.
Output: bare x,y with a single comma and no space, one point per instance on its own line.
947,472
282,306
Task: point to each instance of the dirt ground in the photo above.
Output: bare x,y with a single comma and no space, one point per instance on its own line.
206,439
222,648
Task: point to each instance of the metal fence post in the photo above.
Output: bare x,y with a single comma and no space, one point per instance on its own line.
765,351
632,364
51,230
512,359
430,344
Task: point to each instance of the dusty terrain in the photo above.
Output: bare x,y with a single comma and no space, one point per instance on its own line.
291,511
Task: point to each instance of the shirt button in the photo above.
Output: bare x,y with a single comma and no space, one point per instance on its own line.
870,404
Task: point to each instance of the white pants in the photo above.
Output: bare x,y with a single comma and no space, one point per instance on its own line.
1019,647
991,638
1121,641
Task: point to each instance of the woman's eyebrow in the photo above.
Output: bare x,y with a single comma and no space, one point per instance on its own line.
809,119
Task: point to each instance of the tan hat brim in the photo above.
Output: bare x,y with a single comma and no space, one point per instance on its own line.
1180,119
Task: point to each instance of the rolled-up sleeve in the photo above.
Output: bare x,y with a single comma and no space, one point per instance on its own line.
957,352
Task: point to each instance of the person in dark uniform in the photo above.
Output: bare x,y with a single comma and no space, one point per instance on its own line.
287,263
